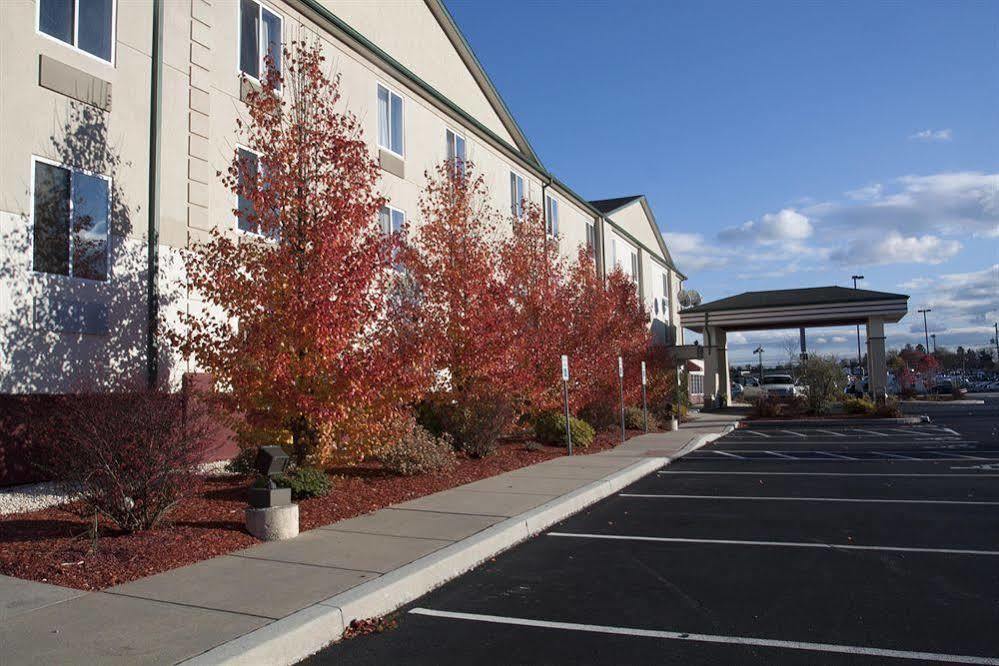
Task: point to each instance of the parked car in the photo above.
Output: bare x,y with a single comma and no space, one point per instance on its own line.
737,390
752,389
780,386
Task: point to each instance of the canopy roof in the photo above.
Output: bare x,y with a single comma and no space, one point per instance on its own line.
792,308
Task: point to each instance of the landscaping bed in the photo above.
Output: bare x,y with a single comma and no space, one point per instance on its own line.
54,545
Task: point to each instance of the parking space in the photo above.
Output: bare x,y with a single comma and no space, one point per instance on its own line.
779,558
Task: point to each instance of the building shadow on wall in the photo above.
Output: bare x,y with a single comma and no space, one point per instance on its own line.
74,311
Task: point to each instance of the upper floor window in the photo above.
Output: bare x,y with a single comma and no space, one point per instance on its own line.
551,216
666,295
517,195
70,221
246,218
634,266
591,236
390,120
85,24
259,37
455,148
391,219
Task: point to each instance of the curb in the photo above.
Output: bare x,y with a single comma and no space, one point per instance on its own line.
305,632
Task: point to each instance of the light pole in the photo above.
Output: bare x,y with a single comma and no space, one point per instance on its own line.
926,330
859,357
934,338
759,350
996,340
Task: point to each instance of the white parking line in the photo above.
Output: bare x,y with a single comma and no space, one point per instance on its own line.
778,544
869,432
836,455
897,456
710,638
853,500
831,432
720,472
796,434
781,455
755,432
956,455
726,453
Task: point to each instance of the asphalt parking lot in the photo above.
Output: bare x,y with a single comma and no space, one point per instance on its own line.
845,544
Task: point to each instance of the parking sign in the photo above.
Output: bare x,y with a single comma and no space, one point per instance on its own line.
565,368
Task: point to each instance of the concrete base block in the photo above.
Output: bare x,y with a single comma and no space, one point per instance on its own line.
273,523
674,425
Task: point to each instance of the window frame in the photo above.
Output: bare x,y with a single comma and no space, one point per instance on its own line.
551,221
76,32
591,236
35,159
517,208
261,52
392,209
257,233
457,135
402,103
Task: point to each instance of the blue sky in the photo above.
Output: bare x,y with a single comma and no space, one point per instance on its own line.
780,144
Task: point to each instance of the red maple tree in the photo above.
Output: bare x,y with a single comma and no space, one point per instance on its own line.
304,327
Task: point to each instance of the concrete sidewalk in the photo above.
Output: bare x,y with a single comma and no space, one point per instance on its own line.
278,602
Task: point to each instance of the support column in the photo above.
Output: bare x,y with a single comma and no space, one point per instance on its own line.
877,367
716,365
724,380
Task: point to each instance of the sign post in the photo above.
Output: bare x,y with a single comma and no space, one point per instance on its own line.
645,405
620,377
565,395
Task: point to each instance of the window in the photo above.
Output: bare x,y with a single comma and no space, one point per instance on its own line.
247,219
591,236
634,266
666,296
84,24
455,148
258,26
390,117
615,262
551,216
517,195
70,215
391,219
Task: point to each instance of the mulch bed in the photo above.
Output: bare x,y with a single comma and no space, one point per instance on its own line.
54,545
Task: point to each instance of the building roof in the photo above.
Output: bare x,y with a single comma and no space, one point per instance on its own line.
793,297
607,206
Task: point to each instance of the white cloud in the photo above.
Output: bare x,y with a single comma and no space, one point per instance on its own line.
866,193
894,248
839,339
785,225
692,253
932,135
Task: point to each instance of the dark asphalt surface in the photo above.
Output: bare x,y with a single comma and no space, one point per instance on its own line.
809,583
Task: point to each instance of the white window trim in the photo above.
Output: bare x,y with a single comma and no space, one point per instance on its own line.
392,209
458,135
402,98
525,198
76,32
558,206
43,160
262,53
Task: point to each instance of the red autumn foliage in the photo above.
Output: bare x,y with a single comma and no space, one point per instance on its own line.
304,327
536,277
465,309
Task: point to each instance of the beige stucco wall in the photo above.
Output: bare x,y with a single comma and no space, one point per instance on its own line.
201,102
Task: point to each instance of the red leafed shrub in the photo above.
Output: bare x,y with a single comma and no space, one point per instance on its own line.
127,457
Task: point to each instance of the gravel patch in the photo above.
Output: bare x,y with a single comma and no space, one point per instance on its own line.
33,497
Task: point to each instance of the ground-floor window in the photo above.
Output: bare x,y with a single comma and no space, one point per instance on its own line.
70,211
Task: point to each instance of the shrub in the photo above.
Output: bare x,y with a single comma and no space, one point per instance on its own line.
890,408
131,456
824,382
549,428
766,407
601,415
634,419
242,463
854,405
419,452
475,425
305,482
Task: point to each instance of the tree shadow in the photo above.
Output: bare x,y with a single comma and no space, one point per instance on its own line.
76,285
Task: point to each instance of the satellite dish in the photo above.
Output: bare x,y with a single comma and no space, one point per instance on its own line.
689,298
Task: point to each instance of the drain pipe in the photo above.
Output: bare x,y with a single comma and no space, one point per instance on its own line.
153,213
